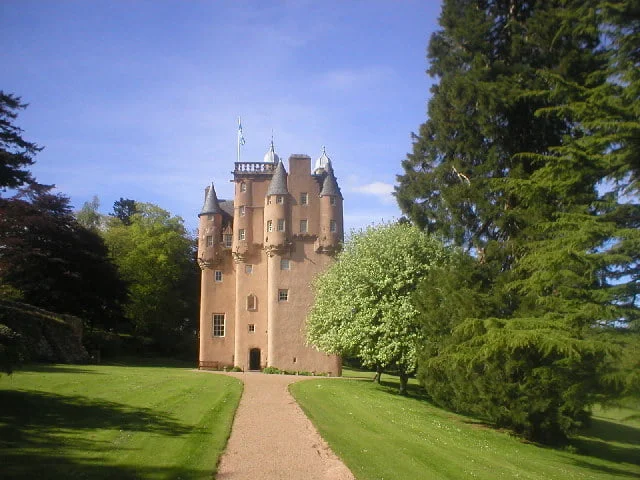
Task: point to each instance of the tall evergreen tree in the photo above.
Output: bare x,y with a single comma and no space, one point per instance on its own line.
16,153
509,166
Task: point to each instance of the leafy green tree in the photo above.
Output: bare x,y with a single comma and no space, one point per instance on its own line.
54,262
16,154
156,257
363,304
88,216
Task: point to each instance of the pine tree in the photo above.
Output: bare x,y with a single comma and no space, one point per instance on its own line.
16,154
509,165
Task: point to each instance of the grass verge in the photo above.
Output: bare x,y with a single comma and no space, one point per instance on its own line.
114,421
381,435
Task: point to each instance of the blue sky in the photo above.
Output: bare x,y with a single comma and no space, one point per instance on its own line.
140,99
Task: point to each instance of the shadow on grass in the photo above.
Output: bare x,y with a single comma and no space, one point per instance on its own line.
39,432
603,440
54,368
610,441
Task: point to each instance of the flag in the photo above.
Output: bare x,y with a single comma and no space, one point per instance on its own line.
240,135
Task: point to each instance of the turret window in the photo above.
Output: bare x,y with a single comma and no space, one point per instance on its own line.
218,325
228,240
332,201
209,241
303,226
304,198
283,295
242,234
252,328
243,187
285,264
269,225
333,227
281,224
242,211
248,269
279,199
217,275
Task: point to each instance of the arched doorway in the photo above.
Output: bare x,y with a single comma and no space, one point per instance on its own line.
254,359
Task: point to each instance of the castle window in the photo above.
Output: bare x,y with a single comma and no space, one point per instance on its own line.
228,240
332,201
285,264
252,302
269,225
333,227
303,226
209,217
218,325
217,275
279,199
242,211
243,187
252,328
281,224
242,234
304,198
283,295
248,269
209,241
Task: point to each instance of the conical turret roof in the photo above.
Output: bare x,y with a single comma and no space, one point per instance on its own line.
278,185
330,185
211,205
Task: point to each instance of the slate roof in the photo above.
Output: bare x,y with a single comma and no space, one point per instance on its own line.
330,186
211,204
278,184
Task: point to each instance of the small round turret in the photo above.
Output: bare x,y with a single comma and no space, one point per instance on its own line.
331,216
276,211
209,230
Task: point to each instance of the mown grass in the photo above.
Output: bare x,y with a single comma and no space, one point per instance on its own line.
150,421
382,435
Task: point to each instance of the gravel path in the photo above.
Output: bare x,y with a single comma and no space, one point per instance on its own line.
272,438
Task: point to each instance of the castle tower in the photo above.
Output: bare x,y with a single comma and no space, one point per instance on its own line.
286,229
331,233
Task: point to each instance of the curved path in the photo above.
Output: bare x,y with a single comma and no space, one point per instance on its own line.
272,438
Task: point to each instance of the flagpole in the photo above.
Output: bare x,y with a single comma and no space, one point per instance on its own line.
239,134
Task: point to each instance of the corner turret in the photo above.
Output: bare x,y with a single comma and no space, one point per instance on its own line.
331,215
276,212
209,230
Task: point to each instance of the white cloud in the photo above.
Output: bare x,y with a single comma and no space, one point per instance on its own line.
378,189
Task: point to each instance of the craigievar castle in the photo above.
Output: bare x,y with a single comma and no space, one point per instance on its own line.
259,255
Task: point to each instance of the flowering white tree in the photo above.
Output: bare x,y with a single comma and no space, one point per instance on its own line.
363,301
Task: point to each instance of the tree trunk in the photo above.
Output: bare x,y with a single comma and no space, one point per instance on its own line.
378,374
404,379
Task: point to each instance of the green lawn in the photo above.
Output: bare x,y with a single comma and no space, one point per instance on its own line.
381,435
116,421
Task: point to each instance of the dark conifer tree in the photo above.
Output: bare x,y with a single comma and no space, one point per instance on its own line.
499,169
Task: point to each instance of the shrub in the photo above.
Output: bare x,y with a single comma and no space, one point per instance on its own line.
271,370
